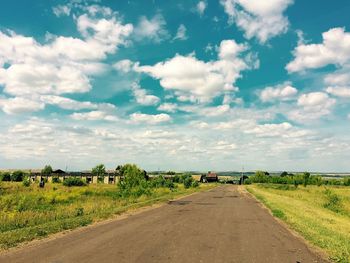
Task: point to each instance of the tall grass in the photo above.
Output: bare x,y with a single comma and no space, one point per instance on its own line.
31,212
320,214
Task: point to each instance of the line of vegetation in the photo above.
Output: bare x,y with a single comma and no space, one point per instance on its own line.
29,211
294,179
321,214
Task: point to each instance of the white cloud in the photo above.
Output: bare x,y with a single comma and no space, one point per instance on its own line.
20,105
142,97
343,92
63,64
201,6
194,79
339,78
334,50
93,116
150,118
260,19
280,92
270,130
61,10
181,33
153,29
313,105
124,65
66,103
168,107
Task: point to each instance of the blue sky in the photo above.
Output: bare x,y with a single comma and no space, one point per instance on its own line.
175,85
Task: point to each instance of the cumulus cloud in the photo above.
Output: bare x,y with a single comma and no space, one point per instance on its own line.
334,50
63,64
313,106
93,116
142,97
343,92
193,79
168,107
181,33
280,92
20,105
66,103
260,19
150,118
200,7
153,29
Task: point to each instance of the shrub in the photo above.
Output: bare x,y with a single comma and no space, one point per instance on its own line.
188,182
6,177
333,201
26,181
159,181
17,176
56,180
347,181
134,182
79,211
195,184
73,181
176,179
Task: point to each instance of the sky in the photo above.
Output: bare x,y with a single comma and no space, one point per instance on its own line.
175,85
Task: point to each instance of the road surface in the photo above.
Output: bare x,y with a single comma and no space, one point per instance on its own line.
221,225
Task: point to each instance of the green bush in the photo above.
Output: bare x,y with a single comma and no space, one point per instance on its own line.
333,201
17,176
73,181
26,181
195,184
134,181
6,177
347,181
176,179
56,180
188,182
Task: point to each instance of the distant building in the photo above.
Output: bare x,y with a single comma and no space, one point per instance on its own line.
209,177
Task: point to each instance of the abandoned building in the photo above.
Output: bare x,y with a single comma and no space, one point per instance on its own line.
209,177
110,177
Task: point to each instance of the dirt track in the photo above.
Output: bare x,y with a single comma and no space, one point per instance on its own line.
222,225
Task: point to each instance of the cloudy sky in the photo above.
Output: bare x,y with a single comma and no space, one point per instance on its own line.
183,85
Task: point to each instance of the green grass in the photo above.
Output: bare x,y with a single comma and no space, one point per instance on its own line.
320,214
28,213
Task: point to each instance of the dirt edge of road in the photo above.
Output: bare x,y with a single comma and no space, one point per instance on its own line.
116,217
310,246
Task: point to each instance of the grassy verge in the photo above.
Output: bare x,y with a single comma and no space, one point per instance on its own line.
320,214
28,213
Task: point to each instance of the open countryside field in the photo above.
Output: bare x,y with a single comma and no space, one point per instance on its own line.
321,214
28,213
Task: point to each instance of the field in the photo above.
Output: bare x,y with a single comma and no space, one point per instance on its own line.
320,214
28,213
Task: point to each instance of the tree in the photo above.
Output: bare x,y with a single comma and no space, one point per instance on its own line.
6,177
283,174
47,171
99,171
306,177
17,176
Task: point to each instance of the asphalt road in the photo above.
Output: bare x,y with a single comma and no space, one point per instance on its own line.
222,225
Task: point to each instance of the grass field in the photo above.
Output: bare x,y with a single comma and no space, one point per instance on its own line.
28,213
320,214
